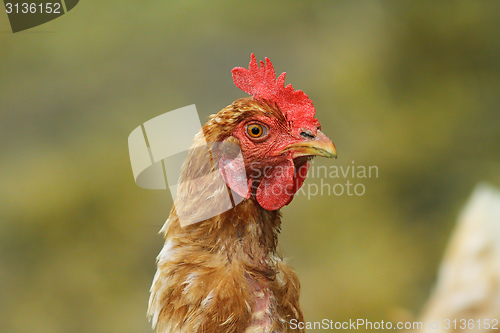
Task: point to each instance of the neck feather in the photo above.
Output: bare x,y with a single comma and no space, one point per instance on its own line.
247,233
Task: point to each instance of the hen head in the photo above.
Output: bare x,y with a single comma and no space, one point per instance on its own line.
277,133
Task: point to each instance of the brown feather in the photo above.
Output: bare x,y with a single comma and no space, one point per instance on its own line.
225,273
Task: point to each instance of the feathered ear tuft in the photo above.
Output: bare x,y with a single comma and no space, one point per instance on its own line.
262,84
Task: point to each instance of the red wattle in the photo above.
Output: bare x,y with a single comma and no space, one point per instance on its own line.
276,189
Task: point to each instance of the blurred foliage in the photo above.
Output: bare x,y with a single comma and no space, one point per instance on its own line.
412,87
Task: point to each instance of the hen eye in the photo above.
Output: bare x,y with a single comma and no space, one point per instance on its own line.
255,130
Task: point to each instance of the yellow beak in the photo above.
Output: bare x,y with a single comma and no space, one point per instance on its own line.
321,145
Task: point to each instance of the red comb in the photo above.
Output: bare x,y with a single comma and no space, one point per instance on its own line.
262,84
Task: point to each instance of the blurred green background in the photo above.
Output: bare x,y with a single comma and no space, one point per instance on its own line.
412,87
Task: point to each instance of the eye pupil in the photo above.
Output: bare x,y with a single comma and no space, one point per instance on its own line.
255,130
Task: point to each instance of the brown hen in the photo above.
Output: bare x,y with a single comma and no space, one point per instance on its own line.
224,274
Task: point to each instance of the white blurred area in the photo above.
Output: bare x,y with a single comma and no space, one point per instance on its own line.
468,285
